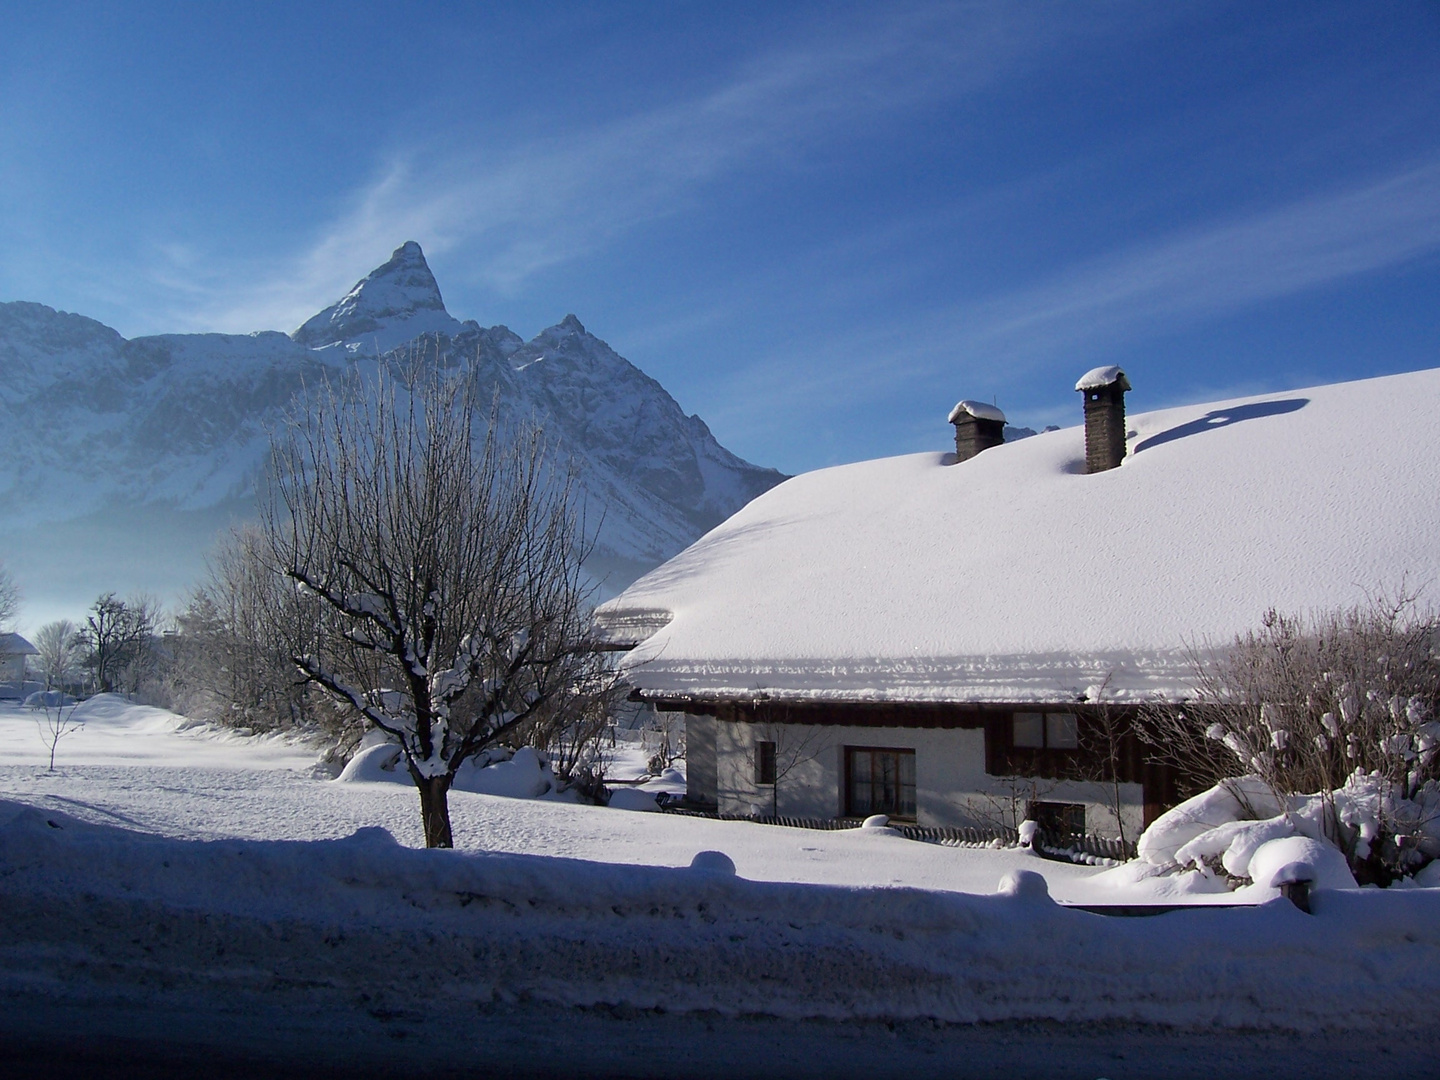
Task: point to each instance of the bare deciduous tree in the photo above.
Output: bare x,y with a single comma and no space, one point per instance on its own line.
56,720
59,652
116,639
9,598
238,632
1103,737
447,569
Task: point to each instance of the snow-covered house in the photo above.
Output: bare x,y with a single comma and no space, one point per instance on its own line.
13,651
934,638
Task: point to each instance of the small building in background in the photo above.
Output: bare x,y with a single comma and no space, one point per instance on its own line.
13,651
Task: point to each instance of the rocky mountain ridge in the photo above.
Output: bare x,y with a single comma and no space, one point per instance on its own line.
171,429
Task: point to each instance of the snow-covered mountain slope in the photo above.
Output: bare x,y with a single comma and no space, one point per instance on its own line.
95,427
652,478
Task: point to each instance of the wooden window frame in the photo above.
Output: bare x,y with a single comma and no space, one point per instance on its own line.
848,806
1046,745
765,772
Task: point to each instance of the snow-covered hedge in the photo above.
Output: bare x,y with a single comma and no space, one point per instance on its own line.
1326,726
1241,827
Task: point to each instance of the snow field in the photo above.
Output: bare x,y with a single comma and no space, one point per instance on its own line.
173,876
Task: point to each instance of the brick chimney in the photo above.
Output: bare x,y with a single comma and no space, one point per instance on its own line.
1104,389
977,427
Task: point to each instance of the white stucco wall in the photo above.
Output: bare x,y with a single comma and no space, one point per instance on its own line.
951,785
700,772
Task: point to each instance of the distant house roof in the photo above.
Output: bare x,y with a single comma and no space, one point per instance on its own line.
14,644
1016,577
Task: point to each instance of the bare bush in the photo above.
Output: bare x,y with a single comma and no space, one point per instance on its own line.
238,632
9,598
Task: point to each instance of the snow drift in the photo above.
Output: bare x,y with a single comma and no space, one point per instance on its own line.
365,919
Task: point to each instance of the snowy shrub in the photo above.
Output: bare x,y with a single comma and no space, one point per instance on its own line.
1325,726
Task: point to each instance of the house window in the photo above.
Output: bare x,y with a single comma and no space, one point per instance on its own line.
1058,818
1045,731
879,781
764,763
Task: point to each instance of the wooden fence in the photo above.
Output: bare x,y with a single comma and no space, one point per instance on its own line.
1082,849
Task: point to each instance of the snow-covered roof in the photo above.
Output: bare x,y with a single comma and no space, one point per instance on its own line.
977,409
1014,576
1101,376
15,645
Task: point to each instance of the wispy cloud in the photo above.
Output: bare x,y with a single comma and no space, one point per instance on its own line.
518,210
1094,307
1214,269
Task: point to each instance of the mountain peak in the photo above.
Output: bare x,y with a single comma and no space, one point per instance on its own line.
395,303
571,323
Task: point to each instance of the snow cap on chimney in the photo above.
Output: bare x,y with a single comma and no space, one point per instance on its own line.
978,427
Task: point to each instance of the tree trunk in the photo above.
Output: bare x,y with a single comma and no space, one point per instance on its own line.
435,810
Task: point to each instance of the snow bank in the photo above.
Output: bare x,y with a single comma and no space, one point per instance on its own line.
366,915
521,775
632,799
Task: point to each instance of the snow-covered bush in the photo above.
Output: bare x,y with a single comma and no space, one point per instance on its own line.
1325,726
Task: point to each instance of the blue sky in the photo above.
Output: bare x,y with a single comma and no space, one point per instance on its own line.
817,225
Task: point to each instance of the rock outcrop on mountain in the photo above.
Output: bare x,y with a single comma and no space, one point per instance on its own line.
161,432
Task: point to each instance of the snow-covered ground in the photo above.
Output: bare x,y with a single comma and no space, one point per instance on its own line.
165,870
145,769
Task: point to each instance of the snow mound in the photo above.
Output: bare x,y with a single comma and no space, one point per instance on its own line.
1225,822
1024,885
632,799
1328,869
713,862
523,775
1242,799
375,764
